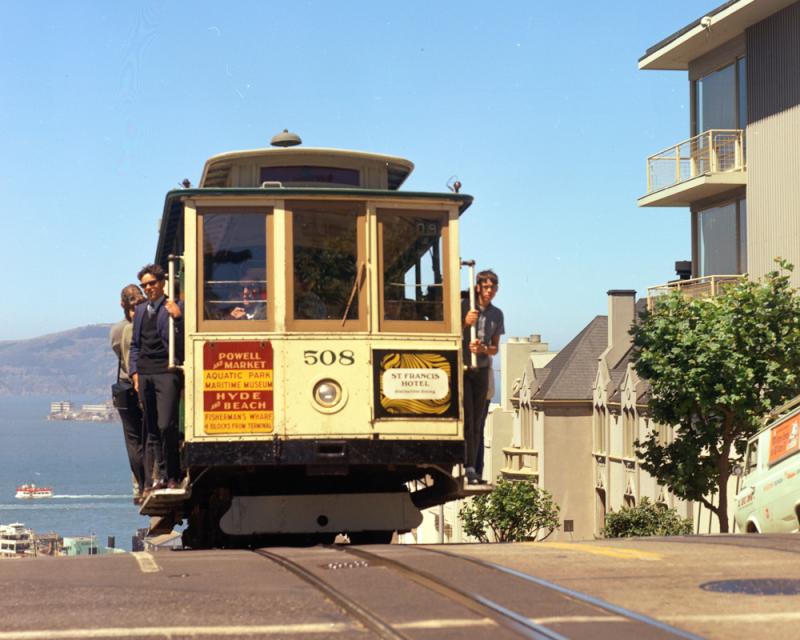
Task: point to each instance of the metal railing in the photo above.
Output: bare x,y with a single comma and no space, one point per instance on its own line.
713,151
703,287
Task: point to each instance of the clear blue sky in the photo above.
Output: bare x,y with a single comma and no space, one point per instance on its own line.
537,107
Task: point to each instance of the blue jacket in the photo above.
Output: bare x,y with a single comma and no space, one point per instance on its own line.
162,326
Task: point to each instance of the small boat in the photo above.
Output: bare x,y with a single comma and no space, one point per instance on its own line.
30,491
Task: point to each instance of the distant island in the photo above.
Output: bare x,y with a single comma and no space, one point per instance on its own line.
74,363
63,410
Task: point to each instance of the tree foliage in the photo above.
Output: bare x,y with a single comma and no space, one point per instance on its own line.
716,367
645,519
516,510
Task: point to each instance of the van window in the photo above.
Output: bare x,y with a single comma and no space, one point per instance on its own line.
752,457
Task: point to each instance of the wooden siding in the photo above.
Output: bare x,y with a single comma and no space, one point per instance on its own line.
773,142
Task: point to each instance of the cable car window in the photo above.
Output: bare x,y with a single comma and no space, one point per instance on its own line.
330,175
325,264
234,266
412,251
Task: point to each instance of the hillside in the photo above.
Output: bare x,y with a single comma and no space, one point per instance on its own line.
74,362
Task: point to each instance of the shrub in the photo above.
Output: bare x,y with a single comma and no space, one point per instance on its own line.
514,511
645,519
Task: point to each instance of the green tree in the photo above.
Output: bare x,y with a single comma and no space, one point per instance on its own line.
645,519
514,511
716,367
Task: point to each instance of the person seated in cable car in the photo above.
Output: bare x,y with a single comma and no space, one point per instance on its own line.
253,304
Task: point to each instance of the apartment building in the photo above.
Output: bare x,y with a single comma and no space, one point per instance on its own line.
575,420
738,171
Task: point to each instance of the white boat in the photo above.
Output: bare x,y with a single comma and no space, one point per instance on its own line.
15,540
30,491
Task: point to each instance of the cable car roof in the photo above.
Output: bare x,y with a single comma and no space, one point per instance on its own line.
217,168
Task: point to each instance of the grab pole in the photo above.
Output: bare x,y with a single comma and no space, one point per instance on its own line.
473,329
171,364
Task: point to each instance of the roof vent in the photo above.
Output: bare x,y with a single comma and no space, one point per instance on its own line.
285,139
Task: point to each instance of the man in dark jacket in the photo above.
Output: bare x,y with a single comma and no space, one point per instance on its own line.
158,386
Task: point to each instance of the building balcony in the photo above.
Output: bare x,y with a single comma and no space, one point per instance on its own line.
703,287
520,464
701,167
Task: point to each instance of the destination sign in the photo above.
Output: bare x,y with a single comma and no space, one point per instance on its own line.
237,387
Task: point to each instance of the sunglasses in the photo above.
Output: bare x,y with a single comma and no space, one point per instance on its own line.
150,283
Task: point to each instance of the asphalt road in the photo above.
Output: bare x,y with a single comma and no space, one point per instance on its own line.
699,585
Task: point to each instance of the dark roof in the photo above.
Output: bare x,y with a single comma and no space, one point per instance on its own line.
685,29
617,375
572,372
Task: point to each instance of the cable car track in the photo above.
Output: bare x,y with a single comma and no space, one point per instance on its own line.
366,617
506,602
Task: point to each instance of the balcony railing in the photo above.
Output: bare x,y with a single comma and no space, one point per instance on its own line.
704,287
713,151
520,464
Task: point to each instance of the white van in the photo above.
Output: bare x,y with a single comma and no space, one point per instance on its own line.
769,498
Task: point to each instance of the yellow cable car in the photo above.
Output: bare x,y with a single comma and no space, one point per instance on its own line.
322,345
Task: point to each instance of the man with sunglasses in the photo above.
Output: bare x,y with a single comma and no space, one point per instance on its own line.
489,325
158,386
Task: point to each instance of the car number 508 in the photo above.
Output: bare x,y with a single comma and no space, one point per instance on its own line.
328,357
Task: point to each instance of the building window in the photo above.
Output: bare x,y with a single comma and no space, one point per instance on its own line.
721,99
663,434
628,433
722,239
599,419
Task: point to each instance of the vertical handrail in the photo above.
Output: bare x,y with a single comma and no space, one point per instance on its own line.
677,164
171,341
171,363
738,156
713,155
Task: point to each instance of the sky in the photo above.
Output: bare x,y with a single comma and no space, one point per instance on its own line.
537,107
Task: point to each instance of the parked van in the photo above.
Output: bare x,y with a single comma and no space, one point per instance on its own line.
769,498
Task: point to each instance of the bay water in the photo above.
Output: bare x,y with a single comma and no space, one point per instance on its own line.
85,464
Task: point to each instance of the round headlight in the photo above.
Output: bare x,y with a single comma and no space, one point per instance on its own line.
327,393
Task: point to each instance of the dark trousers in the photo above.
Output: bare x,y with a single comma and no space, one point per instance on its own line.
160,394
135,439
476,386
481,425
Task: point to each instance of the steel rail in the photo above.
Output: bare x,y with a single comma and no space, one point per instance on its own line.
577,595
371,621
476,603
